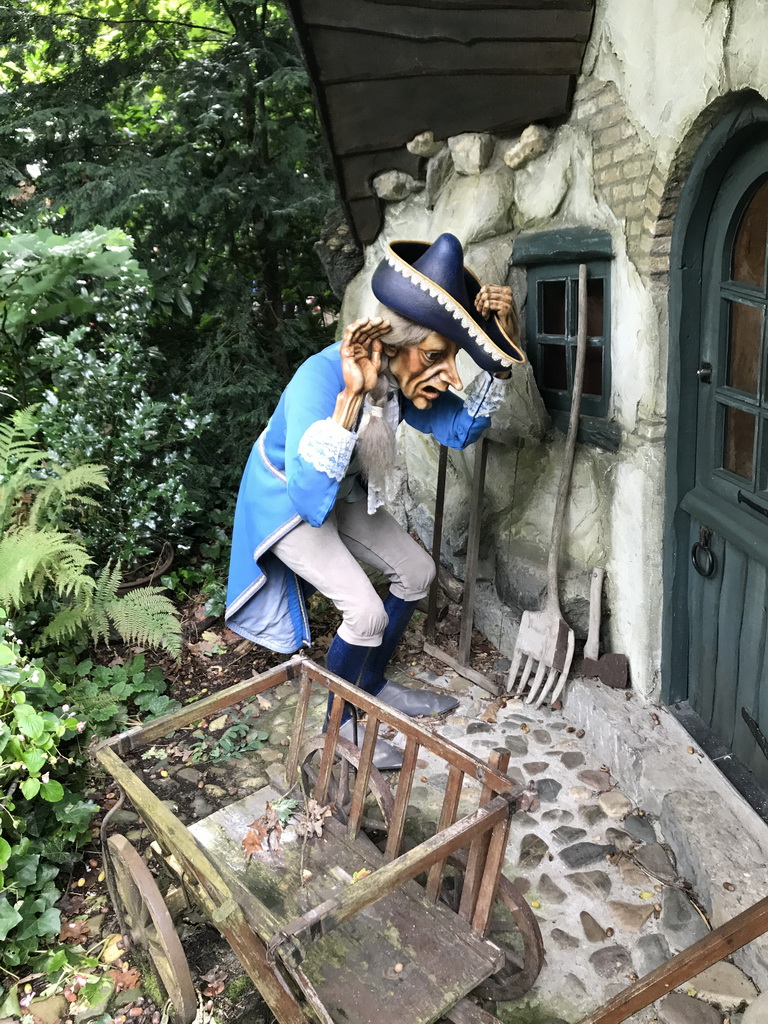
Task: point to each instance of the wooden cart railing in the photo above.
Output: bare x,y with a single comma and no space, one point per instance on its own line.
476,841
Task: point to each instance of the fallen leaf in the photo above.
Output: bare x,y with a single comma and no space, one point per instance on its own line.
217,723
362,873
255,835
74,931
489,715
312,820
229,636
129,977
215,980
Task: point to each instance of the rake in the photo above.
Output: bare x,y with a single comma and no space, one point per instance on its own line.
545,639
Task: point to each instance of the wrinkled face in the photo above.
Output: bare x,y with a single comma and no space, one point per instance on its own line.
424,371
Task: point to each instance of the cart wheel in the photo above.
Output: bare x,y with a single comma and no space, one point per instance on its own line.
339,789
150,927
513,928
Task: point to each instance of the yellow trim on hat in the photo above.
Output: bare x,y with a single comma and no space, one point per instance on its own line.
469,323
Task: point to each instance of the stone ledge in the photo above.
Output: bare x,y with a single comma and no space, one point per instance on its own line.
709,825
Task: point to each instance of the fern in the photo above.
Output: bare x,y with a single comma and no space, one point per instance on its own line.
40,561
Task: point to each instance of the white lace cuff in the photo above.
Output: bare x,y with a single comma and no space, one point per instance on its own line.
328,447
485,394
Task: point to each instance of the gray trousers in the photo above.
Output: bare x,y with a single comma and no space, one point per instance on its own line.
328,558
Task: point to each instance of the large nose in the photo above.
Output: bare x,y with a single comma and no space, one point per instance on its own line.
450,374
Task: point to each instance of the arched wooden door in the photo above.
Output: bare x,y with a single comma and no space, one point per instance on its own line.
726,555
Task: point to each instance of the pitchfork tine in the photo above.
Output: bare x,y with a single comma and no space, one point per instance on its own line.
559,687
513,670
537,681
526,674
552,679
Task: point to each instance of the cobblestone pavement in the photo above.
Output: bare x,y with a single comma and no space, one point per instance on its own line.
596,869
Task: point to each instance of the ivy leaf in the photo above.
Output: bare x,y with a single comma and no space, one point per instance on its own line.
52,791
9,918
49,923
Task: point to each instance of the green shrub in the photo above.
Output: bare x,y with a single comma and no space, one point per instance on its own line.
43,820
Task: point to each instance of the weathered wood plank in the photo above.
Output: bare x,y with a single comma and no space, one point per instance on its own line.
163,726
447,817
209,888
347,57
473,549
463,670
405,106
729,616
363,774
418,22
681,968
443,748
752,638
489,882
369,890
297,730
477,860
329,751
402,796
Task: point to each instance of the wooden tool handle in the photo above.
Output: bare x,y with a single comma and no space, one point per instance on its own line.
592,646
570,442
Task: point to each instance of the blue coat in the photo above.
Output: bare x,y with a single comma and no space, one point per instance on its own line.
293,475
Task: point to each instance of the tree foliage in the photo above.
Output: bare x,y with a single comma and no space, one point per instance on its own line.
188,124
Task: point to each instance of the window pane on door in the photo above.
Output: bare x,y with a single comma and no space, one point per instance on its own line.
762,465
552,307
739,442
749,247
554,373
744,347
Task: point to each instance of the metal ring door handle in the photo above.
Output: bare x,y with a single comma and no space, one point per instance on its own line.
707,568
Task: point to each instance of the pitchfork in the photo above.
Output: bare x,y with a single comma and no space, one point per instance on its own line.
545,639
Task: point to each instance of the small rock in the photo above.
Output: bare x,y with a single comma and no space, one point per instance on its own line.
425,145
475,727
516,745
253,782
639,828
681,1009
563,939
392,186
572,758
631,874
49,1011
630,917
516,774
595,884
565,834
557,814
541,736
536,767
620,839
217,792
533,142
611,962
723,984
547,790
471,152
579,793
191,775
655,859
439,170
757,1012
600,782
680,921
124,817
532,851
549,892
650,952
581,854
591,814
614,804
268,756
593,931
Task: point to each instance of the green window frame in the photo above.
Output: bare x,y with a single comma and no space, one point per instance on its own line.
552,259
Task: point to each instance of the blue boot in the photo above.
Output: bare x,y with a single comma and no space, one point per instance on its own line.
348,661
373,681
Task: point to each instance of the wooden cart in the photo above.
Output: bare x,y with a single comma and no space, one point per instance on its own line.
410,940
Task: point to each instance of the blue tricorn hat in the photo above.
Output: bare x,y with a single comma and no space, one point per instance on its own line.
429,284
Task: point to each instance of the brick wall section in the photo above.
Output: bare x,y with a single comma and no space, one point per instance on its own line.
624,172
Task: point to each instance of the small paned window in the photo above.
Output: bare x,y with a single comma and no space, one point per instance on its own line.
551,333
552,259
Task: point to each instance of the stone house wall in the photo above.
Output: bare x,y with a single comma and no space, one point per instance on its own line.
657,75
